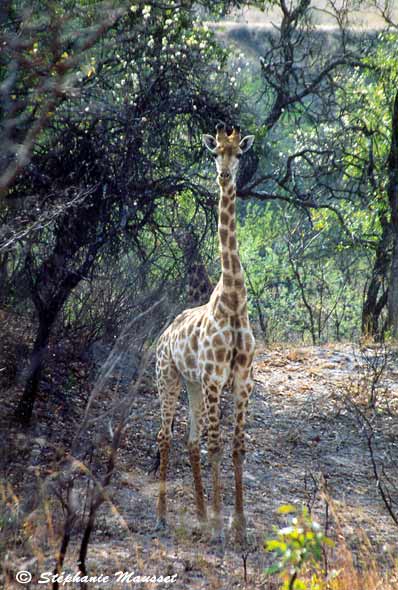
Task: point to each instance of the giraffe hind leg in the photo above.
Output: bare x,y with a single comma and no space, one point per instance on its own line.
155,464
212,392
169,387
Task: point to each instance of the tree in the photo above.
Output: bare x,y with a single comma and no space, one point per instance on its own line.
392,191
127,141
370,110
41,50
326,149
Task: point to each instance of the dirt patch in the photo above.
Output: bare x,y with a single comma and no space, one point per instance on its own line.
299,432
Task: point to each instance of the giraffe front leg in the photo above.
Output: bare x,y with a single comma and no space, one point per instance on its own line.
196,411
212,392
242,388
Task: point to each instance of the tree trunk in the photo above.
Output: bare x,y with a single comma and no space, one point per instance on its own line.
3,276
393,291
374,303
51,285
393,200
262,320
23,412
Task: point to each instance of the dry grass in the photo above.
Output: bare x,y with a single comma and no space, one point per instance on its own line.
32,537
301,433
345,575
358,569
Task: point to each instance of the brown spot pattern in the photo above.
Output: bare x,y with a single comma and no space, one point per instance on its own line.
232,242
207,346
235,264
224,218
220,355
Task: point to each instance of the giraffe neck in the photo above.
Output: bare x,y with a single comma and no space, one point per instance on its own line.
233,287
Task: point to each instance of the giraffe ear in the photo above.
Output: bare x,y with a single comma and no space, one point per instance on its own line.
210,142
246,143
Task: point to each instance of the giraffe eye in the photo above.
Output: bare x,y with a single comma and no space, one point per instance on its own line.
238,156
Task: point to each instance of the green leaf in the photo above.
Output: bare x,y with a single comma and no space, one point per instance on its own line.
273,569
286,509
274,545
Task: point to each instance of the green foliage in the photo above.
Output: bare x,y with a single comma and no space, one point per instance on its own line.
281,251
133,108
297,547
309,274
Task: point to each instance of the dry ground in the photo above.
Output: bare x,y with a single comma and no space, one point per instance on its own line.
300,432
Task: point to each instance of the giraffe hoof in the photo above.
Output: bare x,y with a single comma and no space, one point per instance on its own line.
203,523
160,524
217,541
241,539
201,530
239,530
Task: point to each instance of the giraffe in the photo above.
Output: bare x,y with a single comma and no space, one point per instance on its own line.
208,347
199,285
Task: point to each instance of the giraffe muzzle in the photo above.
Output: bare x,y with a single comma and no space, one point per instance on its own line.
225,175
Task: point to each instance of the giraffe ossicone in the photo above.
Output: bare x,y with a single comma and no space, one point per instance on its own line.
208,347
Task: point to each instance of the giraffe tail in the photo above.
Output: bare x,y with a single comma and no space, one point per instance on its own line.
154,466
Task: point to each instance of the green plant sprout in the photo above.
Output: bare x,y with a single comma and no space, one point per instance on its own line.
298,545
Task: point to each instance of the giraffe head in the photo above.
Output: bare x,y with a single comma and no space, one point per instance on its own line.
227,148
186,239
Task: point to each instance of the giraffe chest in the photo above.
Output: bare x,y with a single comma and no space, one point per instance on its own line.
216,353
204,348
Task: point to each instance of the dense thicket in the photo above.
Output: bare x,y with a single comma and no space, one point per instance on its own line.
122,144
102,111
